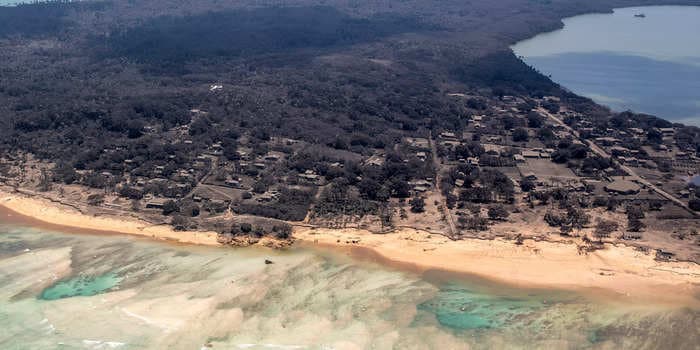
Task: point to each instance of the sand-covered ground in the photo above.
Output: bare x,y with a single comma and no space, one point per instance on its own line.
64,217
621,269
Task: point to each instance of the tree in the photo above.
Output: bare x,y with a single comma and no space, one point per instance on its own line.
65,173
95,199
386,216
170,207
577,218
190,209
520,135
498,212
400,188
417,204
246,227
474,223
534,120
179,223
44,181
635,212
694,204
635,225
527,184
258,231
135,205
553,219
604,228
282,230
259,187
655,136
130,192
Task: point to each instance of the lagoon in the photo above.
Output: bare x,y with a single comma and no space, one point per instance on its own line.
647,64
81,291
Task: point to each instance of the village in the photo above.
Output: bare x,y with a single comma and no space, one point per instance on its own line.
521,167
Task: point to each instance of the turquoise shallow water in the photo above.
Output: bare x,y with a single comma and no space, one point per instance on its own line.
81,286
457,307
649,65
63,291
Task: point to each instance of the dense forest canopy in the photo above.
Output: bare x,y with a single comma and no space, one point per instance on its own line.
252,32
42,18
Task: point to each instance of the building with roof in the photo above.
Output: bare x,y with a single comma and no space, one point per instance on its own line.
623,187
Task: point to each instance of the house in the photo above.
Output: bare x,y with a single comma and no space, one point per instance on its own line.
607,141
375,160
309,175
272,157
420,185
459,183
664,255
156,203
631,235
622,187
422,156
577,186
418,142
629,161
448,135
530,154
232,183
268,197
667,132
242,155
421,188
530,175
619,150
199,165
636,131
519,158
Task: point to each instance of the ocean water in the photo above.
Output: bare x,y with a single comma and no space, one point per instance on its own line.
78,291
12,2
649,64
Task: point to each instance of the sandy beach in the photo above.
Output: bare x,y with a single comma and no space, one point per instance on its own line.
621,269
63,218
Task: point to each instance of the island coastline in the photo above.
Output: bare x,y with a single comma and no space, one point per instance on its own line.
620,270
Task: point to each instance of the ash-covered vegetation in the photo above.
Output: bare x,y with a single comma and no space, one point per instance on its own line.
251,32
42,18
323,112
